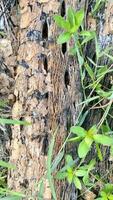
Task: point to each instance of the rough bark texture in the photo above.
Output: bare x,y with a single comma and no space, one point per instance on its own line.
8,51
47,90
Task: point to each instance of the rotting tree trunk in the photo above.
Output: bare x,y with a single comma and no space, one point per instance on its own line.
47,90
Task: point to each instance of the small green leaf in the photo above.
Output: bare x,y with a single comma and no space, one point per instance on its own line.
71,17
64,37
103,139
83,149
81,173
77,183
70,175
89,70
86,180
93,130
61,175
91,165
68,159
64,24
75,139
81,132
79,16
102,71
89,35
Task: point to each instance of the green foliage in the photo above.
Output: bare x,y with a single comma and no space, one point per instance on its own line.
98,5
70,25
106,193
76,175
98,135
87,138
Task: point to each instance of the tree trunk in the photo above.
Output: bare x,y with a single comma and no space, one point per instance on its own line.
47,90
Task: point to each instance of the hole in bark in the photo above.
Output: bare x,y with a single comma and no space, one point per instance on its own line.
64,48
45,63
66,78
21,126
25,183
45,145
31,7
63,9
45,30
15,70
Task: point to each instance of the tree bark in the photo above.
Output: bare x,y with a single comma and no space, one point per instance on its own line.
47,90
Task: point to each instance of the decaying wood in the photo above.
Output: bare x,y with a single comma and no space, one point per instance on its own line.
7,65
47,90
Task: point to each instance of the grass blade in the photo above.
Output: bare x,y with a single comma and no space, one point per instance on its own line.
49,163
14,122
7,165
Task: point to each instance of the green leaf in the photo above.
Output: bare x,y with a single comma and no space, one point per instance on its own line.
7,165
83,149
57,160
91,165
102,71
89,70
11,198
93,130
77,183
86,180
71,17
14,122
103,139
97,5
41,190
79,16
64,24
61,175
110,197
97,47
81,132
49,164
99,153
68,159
10,192
89,35
69,175
80,173
64,37
109,56
75,139
108,188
